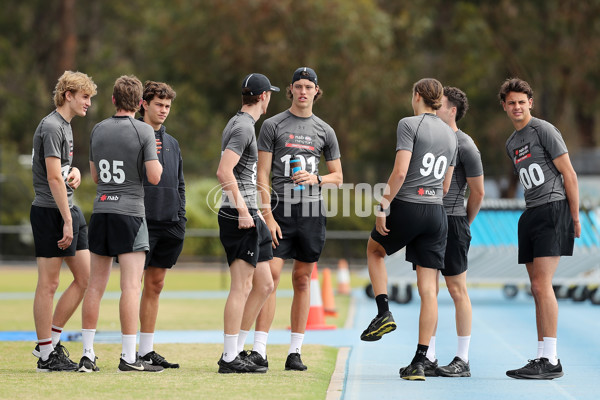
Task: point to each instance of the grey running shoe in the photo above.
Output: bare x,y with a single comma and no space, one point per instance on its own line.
87,365
153,358
294,363
457,368
257,359
539,368
239,366
138,366
413,372
379,326
55,363
430,367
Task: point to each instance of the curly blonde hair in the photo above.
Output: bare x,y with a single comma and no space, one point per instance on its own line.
72,82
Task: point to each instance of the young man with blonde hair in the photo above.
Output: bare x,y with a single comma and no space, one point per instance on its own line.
59,227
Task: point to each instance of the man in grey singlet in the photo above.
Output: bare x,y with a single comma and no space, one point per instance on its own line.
59,227
121,150
468,172
242,230
411,215
294,217
550,223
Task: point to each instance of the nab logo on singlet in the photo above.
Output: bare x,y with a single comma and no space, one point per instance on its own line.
426,192
109,197
522,153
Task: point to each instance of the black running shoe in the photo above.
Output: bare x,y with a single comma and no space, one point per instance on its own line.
457,368
55,362
153,358
413,372
294,363
87,365
239,366
430,367
59,348
257,359
379,326
537,369
138,366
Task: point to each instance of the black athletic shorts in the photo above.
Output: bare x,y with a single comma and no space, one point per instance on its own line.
47,226
165,248
252,245
421,228
114,234
457,246
303,227
546,231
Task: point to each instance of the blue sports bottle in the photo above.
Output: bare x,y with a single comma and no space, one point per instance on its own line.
296,165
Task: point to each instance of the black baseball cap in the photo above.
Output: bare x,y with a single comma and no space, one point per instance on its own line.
305,73
257,83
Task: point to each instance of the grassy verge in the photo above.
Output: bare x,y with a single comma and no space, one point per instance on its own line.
196,379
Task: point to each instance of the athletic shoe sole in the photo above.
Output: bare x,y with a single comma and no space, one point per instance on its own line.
378,334
465,374
547,376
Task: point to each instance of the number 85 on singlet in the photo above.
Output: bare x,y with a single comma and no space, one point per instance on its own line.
115,173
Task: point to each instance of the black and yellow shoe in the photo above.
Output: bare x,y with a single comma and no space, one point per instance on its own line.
379,326
413,372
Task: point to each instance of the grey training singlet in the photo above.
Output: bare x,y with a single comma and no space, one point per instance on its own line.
52,138
119,146
239,137
287,136
532,150
433,145
468,165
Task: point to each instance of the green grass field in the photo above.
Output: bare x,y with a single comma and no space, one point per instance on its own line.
198,377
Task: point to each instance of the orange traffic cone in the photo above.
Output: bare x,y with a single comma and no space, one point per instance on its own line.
316,313
327,293
343,277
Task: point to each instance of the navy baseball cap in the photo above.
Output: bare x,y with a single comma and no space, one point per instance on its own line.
305,73
257,83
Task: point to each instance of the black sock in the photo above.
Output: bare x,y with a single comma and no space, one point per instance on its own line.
420,354
382,303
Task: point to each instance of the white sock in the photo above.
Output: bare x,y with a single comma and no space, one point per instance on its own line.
146,343
230,348
431,350
45,348
540,351
241,340
56,331
260,343
550,350
128,348
87,337
463,347
296,343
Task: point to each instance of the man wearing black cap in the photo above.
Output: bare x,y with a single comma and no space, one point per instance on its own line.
243,232
293,211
